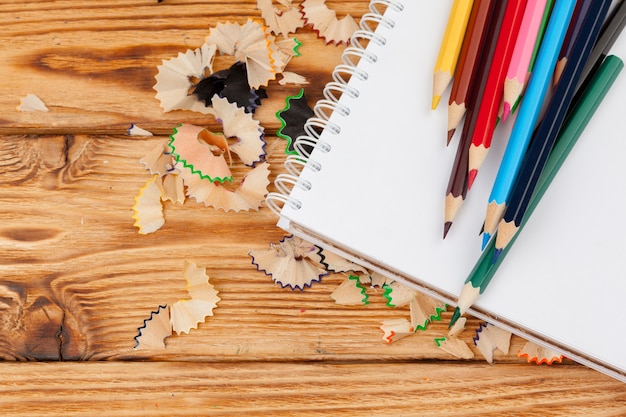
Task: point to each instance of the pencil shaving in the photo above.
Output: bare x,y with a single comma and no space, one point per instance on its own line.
177,76
325,22
148,209
350,292
282,20
188,314
292,262
32,103
155,330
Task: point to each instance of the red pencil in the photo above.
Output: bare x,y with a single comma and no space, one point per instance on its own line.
494,89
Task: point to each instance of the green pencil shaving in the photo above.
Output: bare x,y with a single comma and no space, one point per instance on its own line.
577,119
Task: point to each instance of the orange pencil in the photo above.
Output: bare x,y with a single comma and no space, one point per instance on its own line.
494,90
450,47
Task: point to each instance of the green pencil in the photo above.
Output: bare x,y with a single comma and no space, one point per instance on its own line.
578,118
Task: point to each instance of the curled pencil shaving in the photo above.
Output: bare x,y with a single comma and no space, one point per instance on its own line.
176,78
292,118
187,314
350,292
398,295
539,354
173,188
289,77
489,338
325,22
247,132
148,209
248,194
396,329
251,44
189,146
155,330
159,160
423,309
32,103
135,130
336,263
453,344
282,20
293,262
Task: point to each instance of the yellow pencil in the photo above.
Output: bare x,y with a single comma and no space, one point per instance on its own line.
450,47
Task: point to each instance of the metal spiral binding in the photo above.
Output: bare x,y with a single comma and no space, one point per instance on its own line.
351,56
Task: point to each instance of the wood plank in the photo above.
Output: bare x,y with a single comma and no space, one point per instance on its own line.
285,389
94,65
81,280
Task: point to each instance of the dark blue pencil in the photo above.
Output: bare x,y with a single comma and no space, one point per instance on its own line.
548,129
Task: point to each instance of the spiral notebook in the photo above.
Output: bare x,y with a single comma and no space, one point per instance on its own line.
373,190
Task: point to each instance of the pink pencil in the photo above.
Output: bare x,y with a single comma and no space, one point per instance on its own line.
522,53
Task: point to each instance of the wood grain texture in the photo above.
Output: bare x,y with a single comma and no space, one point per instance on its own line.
77,280
314,389
73,257
94,64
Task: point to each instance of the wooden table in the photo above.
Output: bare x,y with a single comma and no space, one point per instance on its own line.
77,280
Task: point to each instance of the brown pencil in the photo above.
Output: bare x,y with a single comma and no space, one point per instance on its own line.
467,66
457,184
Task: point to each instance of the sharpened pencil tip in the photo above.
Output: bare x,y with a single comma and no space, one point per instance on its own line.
435,102
455,316
496,255
471,177
486,239
446,228
450,134
505,111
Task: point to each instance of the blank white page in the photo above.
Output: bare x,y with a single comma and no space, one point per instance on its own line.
379,198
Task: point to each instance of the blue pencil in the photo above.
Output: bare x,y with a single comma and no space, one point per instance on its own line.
528,113
592,15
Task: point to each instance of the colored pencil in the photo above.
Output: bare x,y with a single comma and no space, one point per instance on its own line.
528,113
450,47
611,30
457,185
570,36
491,99
536,157
591,96
542,28
469,59
520,61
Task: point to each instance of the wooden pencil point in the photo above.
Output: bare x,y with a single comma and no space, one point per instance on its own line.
506,231
440,83
455,114
450,136
471,176
494,214
558,70
435,102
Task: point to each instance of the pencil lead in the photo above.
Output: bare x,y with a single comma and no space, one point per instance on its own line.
450,134
455,316
471,177
446,228
506,111
496,255
482,229
435,102
486,239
